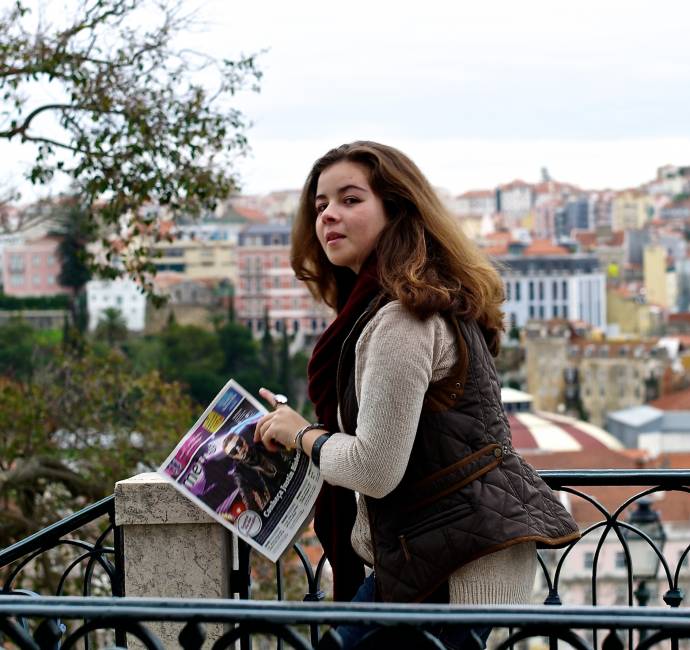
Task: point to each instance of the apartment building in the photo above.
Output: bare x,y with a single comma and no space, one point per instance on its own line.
267,289
476,203
631,209
122,294
553,285
567,372
32,268
198,258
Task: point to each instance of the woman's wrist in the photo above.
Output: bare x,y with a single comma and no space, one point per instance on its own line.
297,442
309,438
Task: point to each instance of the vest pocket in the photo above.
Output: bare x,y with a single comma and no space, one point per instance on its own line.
455,477
436,521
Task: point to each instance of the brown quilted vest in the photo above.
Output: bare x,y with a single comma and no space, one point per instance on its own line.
466,492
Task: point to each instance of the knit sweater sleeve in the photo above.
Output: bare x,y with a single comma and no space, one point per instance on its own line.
396,358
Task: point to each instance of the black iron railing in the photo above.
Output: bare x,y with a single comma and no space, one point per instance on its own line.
103,555
401,626
18,558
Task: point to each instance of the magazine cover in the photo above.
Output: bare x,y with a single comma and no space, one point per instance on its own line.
265,498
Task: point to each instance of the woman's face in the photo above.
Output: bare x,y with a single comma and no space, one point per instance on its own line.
349,216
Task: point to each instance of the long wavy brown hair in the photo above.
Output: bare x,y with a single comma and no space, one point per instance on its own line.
424,259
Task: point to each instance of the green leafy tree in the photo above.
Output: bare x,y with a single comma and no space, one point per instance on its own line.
21,350
240,356
75,230
112,327
268,352
79,424
284,378
126,117
193,356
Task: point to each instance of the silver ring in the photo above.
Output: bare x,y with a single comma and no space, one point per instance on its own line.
280,400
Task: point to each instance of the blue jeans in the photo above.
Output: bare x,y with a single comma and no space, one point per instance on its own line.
453,638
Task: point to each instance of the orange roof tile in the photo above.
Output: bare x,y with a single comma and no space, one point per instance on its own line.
517,183
585,237
678,401
477,194
544,247
499,249
499,236
250,213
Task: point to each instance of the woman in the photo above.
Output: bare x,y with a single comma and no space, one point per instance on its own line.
407,396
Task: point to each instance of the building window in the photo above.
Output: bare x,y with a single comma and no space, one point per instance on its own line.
554,290
517,291
620,560
531,290
507,290
589,560
36,260
541,289
565,311
16,262
295,326
51,279
564,290
541,312
531,311
37,280
555,311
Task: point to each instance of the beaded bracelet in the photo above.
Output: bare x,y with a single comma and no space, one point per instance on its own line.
297,442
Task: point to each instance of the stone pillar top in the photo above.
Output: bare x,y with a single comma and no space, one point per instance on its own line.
149,499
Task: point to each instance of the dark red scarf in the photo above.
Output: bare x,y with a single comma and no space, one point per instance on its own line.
336,507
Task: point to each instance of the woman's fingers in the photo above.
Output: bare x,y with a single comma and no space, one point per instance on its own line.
264,434
259,427
268,396
276,430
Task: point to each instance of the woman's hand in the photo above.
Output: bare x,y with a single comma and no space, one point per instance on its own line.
277,429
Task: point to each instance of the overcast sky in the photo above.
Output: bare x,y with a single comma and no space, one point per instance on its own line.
476,92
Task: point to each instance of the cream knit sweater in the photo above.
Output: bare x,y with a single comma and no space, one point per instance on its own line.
396,358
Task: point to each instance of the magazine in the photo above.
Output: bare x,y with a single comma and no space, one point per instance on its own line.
264,498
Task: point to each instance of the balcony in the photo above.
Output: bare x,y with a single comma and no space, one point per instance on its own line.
110,608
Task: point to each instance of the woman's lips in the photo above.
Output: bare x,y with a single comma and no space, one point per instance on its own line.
333,238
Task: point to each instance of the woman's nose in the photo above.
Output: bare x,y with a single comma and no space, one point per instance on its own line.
329,215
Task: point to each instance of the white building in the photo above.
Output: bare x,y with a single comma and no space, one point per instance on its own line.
122,294
476,203
515,201
572,287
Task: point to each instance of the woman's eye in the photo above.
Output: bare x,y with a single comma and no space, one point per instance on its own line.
320,208
350,200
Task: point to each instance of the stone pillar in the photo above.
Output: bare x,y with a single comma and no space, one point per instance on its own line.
171,549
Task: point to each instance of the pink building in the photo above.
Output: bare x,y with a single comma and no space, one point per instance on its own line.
267,286
32,268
